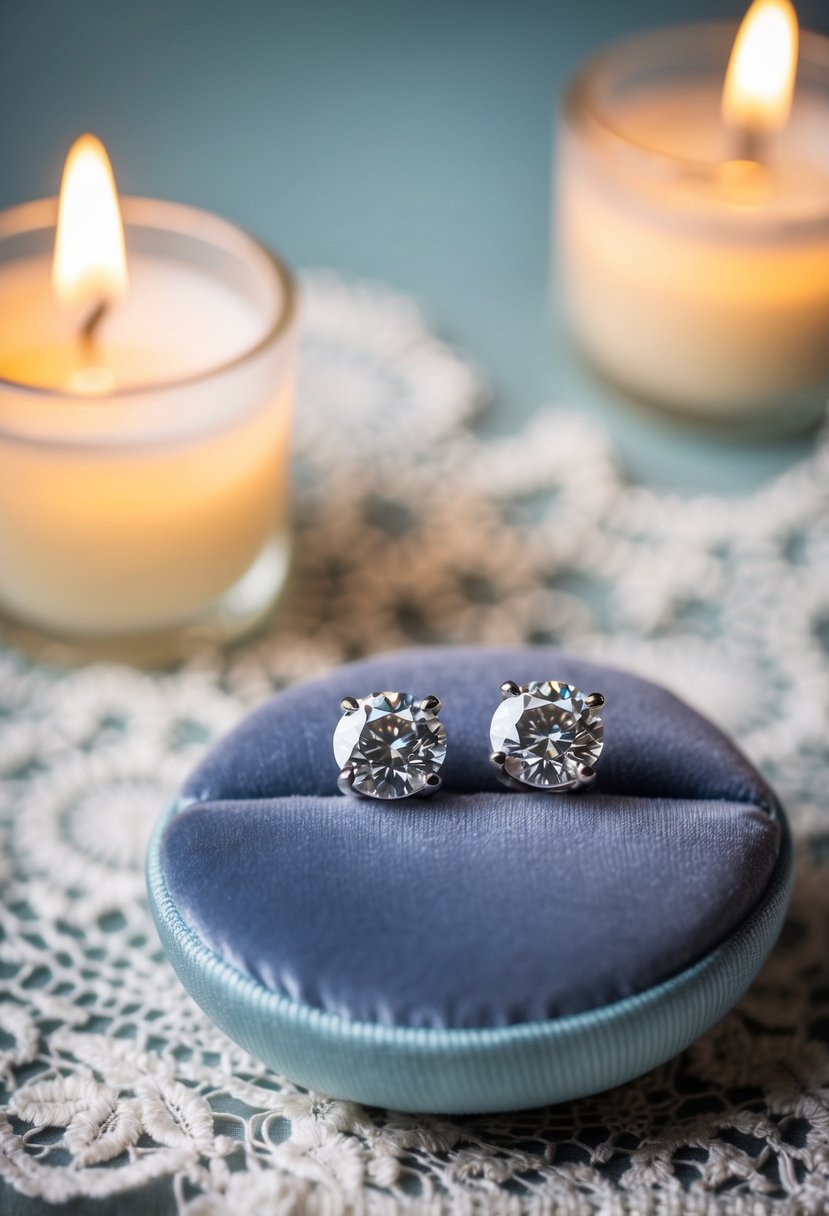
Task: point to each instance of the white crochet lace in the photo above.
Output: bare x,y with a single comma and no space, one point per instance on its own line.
111,1076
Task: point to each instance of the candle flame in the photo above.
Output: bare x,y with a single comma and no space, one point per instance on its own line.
759,83
90,262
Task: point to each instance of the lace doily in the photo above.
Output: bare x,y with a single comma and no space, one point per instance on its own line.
112,1077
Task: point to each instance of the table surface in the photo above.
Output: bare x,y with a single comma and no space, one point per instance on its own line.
409,143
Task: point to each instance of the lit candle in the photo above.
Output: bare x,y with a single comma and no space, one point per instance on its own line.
693,217
146,381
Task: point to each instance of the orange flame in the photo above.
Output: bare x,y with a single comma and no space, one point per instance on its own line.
759,83
90,262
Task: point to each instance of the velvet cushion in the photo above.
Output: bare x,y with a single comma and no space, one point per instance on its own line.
478,907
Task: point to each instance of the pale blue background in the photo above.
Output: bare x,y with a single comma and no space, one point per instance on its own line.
410,142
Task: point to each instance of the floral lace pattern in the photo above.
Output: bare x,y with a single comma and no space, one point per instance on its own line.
110,1076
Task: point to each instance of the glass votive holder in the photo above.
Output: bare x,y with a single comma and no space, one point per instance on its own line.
694,278
147,510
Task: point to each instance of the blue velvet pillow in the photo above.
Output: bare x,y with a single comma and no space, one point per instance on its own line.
477,909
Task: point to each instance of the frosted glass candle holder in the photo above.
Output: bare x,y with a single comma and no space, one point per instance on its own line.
694,279
149,510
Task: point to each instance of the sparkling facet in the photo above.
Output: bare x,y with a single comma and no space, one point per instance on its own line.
391,744
546,732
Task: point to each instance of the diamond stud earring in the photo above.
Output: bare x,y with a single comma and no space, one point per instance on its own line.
390,745
546,735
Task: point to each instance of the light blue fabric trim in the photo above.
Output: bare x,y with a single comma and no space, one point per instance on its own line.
465,1071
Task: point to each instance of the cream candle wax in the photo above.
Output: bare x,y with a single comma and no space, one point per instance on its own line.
693,226
144,418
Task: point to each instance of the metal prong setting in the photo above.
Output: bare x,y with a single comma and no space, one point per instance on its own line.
349,704
432,704
498,761
433,784
345,783
595,700
510,689
585,776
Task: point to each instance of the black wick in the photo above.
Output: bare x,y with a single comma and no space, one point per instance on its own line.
89,327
